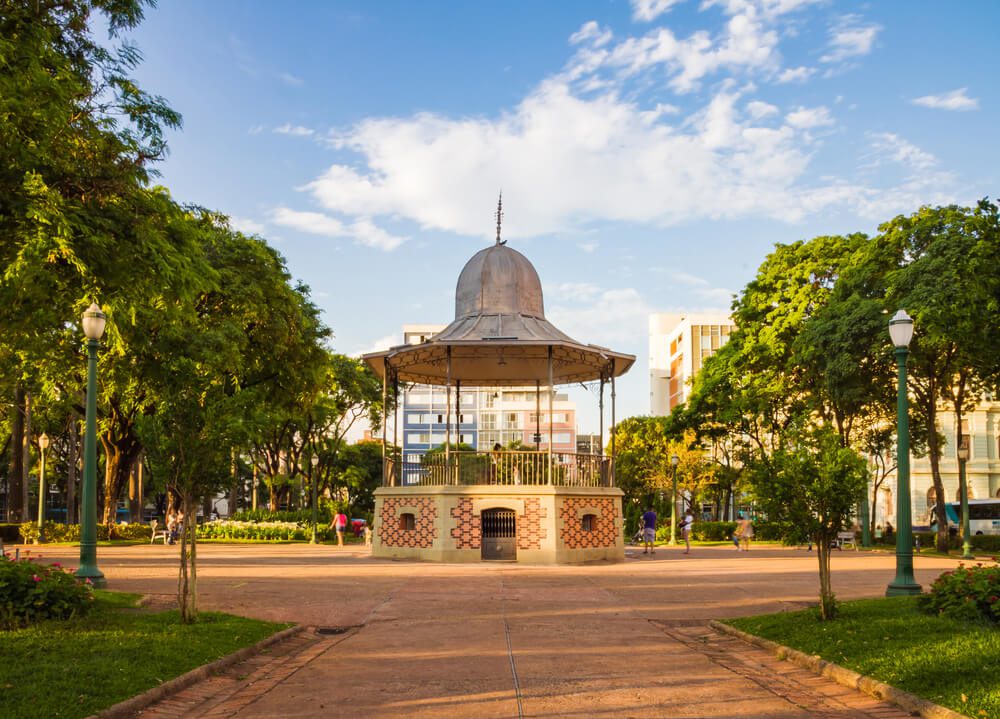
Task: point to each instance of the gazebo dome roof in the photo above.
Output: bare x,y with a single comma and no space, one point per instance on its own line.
498,281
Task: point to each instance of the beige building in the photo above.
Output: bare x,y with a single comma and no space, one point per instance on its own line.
678,344
982,469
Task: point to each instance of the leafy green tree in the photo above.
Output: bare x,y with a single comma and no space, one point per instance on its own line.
810,486
939,264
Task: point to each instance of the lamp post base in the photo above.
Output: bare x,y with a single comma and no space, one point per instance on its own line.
95,576
902,589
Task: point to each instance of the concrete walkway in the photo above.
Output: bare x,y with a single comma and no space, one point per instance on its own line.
501,640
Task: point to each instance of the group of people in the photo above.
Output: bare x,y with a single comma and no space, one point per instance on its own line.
647,524
175,524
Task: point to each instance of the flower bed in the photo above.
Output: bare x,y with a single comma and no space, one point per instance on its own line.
966,593
31,592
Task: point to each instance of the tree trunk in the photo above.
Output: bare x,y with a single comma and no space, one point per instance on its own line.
934,454
827,603
15,478
119,459
72,457
187,579
26,459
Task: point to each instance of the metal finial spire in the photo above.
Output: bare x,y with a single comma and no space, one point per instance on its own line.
500,219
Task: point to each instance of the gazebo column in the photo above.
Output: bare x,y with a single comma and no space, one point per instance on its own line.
458,425
613,483
538,415
385,423
550,414
398,464
447,417
600,411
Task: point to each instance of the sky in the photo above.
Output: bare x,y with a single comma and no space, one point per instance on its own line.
650,153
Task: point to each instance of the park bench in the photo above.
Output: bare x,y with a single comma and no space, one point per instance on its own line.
846,538
158,534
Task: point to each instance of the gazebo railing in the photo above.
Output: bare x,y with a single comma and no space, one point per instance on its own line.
568,469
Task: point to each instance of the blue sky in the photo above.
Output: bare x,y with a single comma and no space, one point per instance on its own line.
650,152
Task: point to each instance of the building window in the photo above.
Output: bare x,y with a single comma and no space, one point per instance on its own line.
407,521
489,420
512,420
588,522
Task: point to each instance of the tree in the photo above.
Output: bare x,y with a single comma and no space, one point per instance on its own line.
940,265
810,486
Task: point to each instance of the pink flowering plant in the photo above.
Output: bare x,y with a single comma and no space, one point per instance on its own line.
971,593
31,592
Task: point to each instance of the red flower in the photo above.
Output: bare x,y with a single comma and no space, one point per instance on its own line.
56,564
36,577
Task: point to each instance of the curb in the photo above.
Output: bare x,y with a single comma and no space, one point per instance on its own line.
845,677
129,707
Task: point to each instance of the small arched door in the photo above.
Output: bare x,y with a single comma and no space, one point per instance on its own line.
499,541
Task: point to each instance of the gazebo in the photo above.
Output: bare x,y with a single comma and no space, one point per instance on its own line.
539,506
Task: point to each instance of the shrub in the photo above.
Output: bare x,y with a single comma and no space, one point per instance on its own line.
967,593
713,531
56,532
261,531
986,542
301,515
30,592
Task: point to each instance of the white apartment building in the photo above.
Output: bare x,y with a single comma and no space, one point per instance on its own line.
678,344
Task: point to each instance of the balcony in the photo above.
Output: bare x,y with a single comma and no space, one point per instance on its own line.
511,468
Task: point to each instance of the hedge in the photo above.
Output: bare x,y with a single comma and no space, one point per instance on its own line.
57,532
263,531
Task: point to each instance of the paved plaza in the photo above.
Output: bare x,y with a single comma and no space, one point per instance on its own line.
405,639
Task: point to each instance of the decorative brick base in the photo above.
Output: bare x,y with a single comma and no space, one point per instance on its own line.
468,532
603,533
424,531
530,531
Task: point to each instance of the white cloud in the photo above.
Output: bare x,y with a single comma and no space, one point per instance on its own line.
246,226
290,79
294,130
589,247
745,43
647,10
361,230
379,345
592,34
850,38
795,74
607,317
581,148
758,109
701,289
890,146
954,100
808,118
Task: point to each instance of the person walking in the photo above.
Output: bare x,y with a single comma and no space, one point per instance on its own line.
686,524
649,530
745,532
339,524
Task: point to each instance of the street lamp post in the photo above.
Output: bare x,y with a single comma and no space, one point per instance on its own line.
314,461
901,331
963,490
43,444
93,327
674,460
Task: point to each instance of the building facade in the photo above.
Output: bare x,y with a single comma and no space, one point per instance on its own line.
678,344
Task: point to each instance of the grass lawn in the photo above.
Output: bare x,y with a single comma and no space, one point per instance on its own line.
952,663
77,667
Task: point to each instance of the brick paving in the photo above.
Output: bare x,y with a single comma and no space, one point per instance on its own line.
434,640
